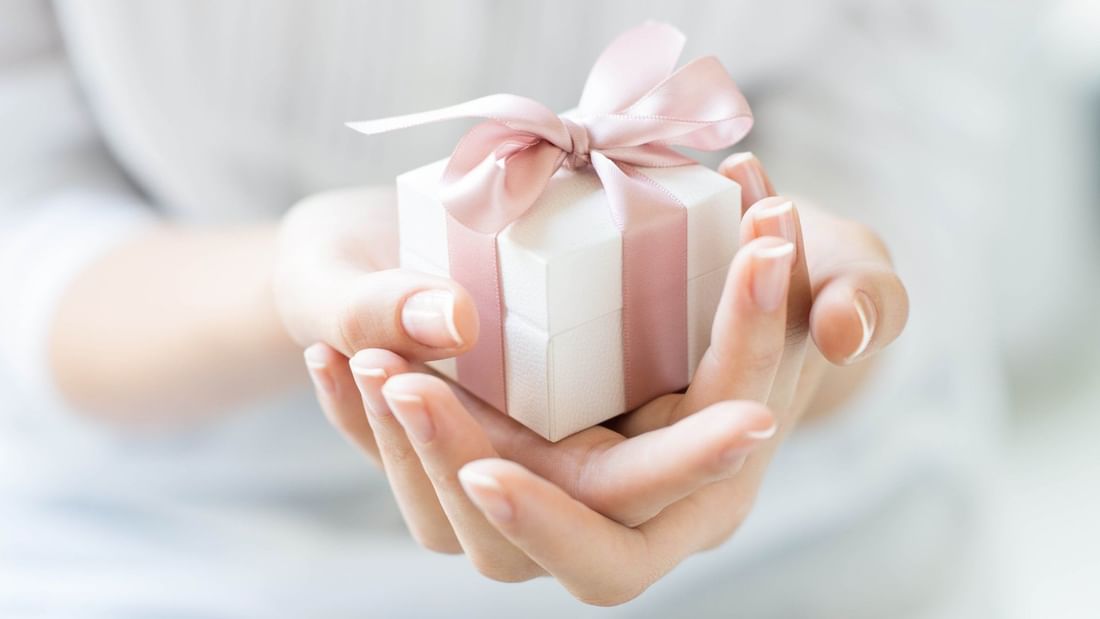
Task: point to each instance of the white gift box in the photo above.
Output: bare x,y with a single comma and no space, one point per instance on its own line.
561,280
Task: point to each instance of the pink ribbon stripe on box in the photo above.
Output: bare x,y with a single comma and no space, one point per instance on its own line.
634,108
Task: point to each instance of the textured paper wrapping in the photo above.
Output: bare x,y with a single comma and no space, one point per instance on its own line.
561,275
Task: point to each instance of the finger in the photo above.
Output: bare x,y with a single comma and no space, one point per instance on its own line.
747,338
631,480
747,171
860,303
713,513
339,398
445,438
412,489
599,561
762,215
635,479
416,315
864,312
710,516
778,216
858,312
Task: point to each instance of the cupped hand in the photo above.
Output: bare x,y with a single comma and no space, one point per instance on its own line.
609,510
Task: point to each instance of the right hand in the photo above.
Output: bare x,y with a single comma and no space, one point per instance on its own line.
336,282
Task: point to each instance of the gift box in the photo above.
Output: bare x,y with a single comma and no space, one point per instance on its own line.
561,282
594,250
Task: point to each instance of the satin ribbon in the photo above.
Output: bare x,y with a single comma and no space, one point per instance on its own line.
633,109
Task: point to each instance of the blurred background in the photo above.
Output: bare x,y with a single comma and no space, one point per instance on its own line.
1003,184
1048,289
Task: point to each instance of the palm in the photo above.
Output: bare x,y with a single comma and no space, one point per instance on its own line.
599,466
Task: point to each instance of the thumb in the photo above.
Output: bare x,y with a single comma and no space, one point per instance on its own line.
416,315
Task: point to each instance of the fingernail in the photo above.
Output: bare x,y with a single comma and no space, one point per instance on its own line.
771,275
487,494
775,220
747,171
317,365
412,414
865,310
429,318
760,436
376,376
734,457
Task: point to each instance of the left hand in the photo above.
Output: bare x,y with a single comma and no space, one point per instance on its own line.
610,510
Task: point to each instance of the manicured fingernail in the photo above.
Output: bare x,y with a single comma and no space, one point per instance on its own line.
429,318
734,457
747,171
361,367
760,436
865,310
412,414
317,364
771,275
370,379
486,493
775,220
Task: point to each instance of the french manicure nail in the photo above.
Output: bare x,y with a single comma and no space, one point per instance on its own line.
775,220
746,170
771,275
429,318
360,367
413,415
734,457
317,365
762,435
361,370
865,310
487,494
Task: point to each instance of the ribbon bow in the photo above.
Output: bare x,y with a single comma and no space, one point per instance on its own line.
633,109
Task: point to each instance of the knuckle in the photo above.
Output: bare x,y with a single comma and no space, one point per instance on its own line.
367,317
762,360
400,455
349,328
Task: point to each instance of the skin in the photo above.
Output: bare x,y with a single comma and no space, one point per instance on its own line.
673,478
610,510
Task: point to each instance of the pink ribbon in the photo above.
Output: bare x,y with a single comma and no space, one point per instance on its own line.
634,108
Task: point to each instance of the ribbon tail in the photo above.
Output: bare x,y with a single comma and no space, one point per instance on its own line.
654,229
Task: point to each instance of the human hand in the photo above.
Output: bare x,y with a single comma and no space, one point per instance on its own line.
336,282
606,511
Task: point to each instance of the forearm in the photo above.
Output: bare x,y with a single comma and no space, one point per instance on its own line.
172,325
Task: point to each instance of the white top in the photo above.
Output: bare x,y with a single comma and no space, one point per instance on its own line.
115,113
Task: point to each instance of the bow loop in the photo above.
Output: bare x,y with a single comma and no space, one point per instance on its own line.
633,110
636,61
634,107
